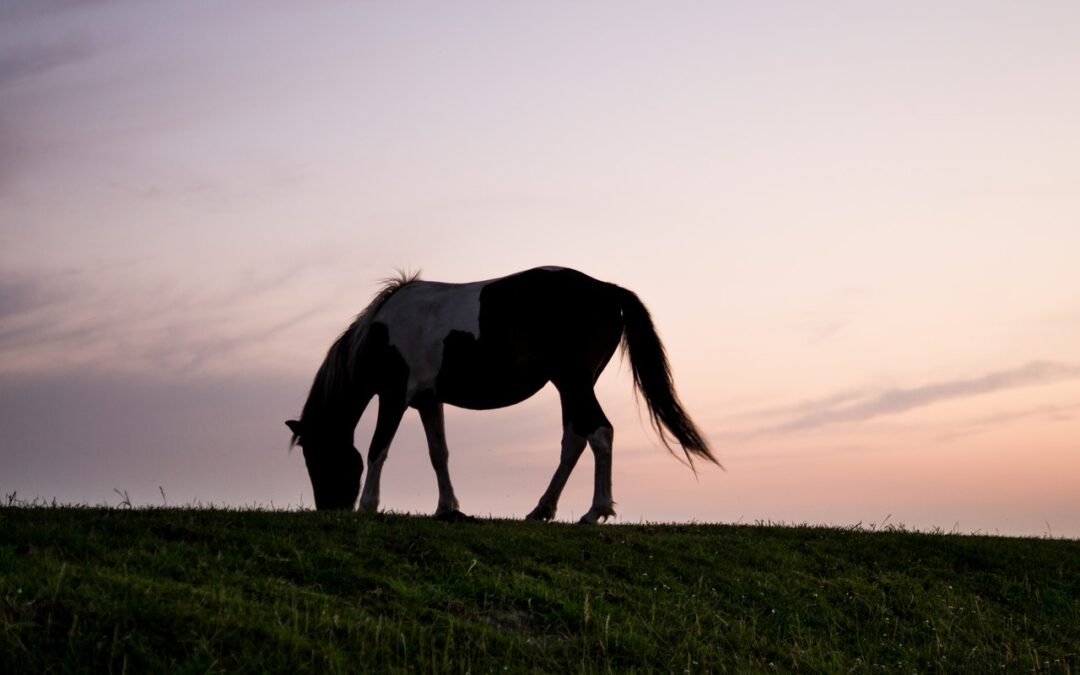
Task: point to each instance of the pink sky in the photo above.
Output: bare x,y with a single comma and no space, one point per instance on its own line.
857,228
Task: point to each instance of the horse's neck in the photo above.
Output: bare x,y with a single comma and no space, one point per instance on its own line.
340,412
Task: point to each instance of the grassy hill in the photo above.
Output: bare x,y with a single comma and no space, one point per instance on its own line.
182,590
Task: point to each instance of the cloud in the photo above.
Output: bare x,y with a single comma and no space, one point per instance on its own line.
971,427
116,319
803,408
822,330
16,11
26,302
853,407
19,64
831,315
28,61
17,295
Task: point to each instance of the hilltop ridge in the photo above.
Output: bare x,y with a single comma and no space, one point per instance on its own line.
88,589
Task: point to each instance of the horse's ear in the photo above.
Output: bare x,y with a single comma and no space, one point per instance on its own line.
294,426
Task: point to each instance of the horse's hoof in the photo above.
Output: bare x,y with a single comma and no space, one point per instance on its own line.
540,515
595,517
454,516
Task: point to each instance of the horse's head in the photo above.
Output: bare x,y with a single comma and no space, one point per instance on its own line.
334,465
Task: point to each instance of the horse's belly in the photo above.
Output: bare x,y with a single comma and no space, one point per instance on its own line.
487,398
478,377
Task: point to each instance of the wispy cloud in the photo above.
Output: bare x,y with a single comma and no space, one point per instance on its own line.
831,314
855,407
978,425
12,11
93,319
17,294
19,63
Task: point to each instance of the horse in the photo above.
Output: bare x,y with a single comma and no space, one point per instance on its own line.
484,345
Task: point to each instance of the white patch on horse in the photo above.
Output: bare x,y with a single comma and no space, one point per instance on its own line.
420,316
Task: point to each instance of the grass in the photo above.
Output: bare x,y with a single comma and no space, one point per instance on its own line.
200,590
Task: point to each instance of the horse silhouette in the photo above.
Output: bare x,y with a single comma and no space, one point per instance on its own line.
484,345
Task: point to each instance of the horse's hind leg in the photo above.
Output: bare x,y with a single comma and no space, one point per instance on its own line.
583,421
431,414
603,505
572,447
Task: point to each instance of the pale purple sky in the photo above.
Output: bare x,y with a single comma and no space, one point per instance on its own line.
857,226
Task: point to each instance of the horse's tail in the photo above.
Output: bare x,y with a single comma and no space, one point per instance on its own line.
652,378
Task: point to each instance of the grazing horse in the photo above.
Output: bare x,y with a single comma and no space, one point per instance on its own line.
482,345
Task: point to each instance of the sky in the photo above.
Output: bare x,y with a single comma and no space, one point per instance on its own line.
857,226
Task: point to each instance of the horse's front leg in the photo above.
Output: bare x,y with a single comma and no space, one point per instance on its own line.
390,413
431,414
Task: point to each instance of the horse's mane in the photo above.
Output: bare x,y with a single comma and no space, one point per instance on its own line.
336,371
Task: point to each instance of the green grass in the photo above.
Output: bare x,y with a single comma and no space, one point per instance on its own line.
199,590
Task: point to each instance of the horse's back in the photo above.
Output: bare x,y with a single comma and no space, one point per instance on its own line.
549,307
494,343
